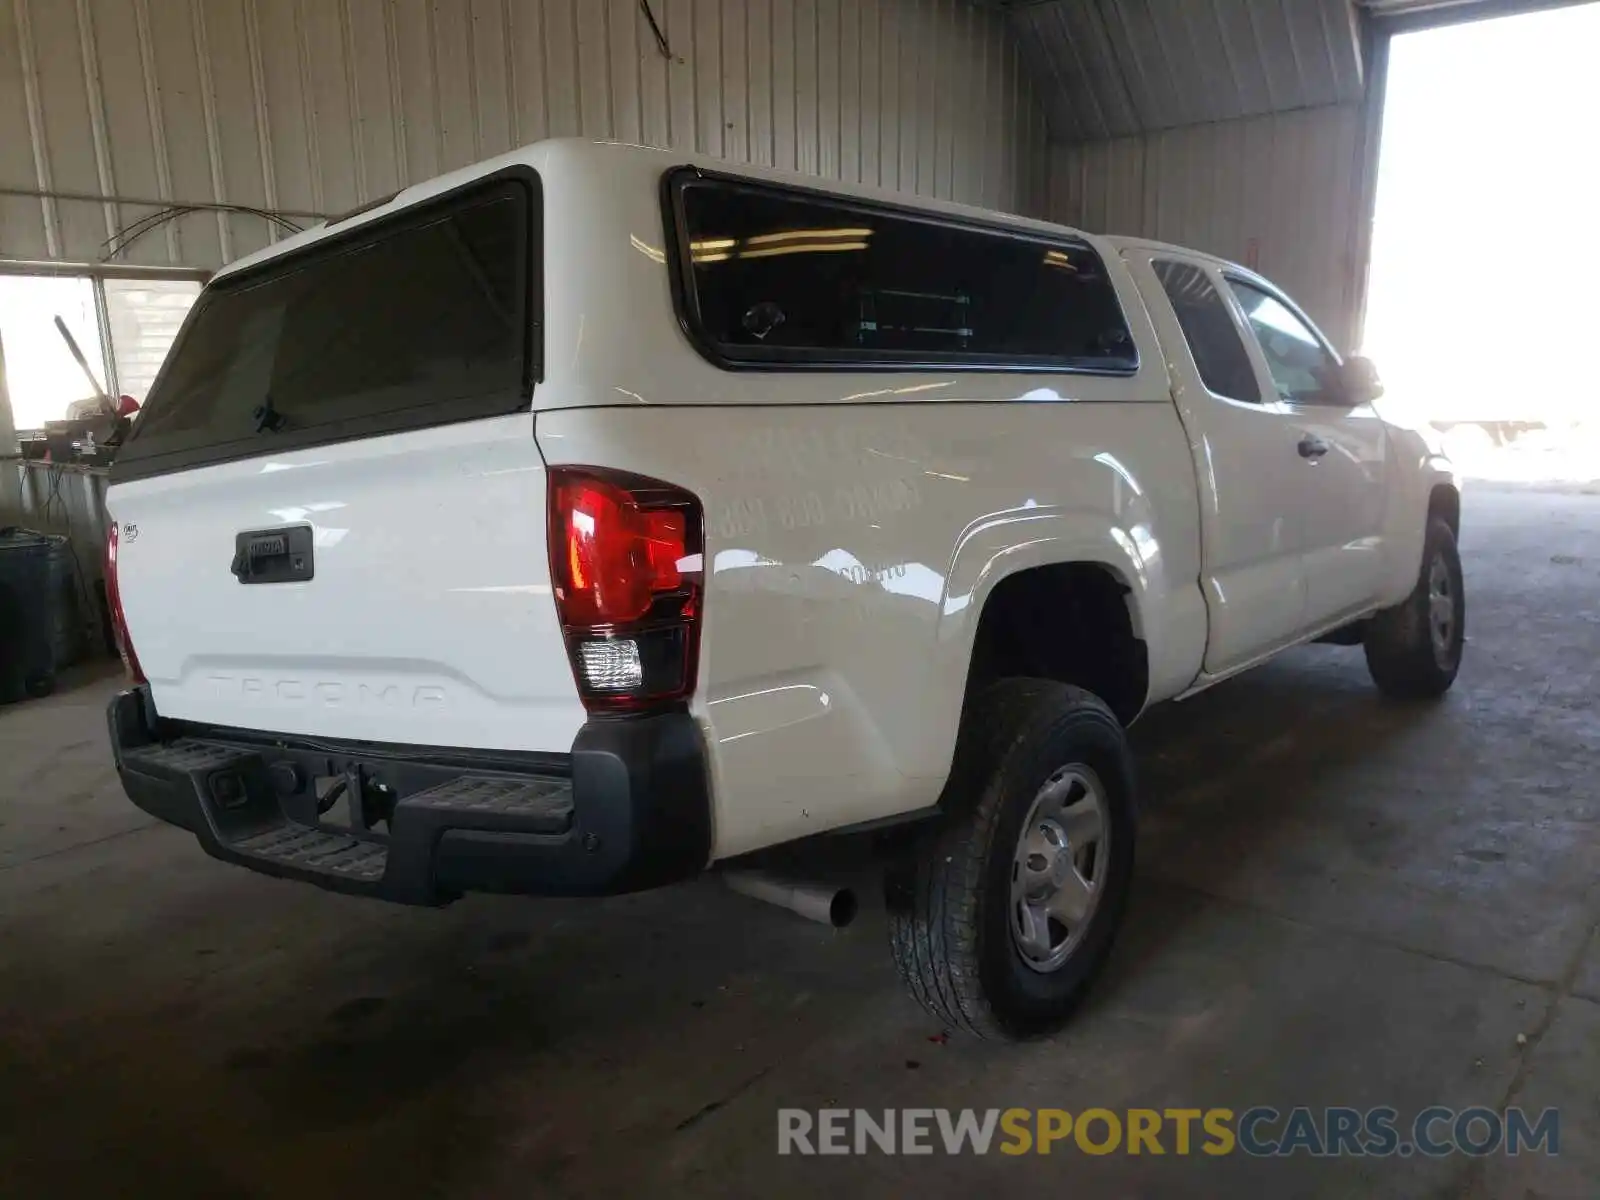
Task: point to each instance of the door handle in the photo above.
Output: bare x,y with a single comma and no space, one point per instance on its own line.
1311,446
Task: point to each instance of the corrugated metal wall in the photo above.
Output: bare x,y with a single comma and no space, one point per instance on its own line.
1133,66
1282,193
314,106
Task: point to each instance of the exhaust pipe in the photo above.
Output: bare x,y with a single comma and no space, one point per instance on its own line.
835,906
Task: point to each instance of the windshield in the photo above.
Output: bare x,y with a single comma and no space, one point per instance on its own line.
414,321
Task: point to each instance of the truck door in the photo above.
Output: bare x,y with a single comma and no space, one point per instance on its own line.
1343,452
1247,469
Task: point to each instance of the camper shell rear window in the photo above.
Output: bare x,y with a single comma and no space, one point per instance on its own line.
424,318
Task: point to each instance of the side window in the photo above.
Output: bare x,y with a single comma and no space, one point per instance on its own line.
1304,372
1219,353
770,275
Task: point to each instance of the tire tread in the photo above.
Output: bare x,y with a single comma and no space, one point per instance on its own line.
934,930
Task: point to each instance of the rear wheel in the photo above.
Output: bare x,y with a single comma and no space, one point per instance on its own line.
1001,916
1414,649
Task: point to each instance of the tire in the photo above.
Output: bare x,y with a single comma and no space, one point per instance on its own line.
1408,657
952,909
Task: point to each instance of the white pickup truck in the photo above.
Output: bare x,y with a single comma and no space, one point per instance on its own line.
590,517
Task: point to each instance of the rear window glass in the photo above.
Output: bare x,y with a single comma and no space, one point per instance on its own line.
772,275
417,321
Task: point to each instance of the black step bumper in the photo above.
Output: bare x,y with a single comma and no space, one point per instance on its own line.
628,808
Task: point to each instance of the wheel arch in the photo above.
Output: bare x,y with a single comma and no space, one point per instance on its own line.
1424,486
1077,621
1444,502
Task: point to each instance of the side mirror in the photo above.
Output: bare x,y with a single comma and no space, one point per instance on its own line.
1360,380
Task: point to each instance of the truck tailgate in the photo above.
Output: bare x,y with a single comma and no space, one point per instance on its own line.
426,618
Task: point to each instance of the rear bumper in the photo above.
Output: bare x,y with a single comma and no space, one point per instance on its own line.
627,808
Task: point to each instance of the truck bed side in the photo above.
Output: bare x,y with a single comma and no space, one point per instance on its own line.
848,562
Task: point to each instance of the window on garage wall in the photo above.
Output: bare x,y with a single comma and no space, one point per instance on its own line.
42,377
122,327
143,316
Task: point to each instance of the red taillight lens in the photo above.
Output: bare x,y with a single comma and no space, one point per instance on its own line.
625,560
615,555
119,620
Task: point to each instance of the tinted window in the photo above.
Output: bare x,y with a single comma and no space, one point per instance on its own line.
778,276
403,325
1219,353
1301,367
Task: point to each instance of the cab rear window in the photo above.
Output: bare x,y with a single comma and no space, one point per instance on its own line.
421,319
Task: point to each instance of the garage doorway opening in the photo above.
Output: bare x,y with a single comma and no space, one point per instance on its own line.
1483,297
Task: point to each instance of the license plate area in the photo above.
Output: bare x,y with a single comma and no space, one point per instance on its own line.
351,796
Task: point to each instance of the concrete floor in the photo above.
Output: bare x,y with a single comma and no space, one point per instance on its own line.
1341,901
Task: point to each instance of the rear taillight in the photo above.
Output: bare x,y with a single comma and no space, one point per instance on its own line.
625,559
119,619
